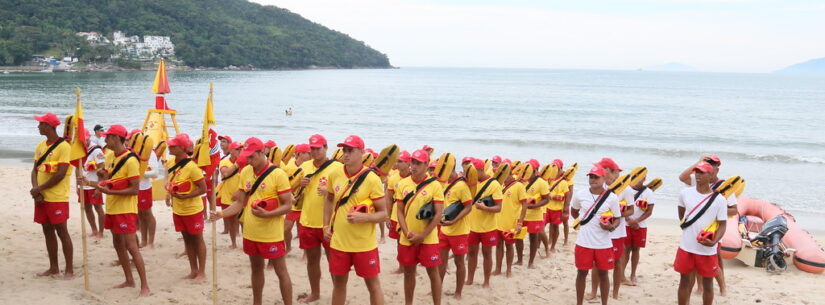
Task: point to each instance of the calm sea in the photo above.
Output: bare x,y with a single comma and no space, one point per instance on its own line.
766,128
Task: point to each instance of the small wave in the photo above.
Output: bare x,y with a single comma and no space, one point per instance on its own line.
653,150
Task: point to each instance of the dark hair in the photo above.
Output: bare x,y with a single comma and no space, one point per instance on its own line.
712,162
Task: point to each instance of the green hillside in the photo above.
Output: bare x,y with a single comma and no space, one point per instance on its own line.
209,33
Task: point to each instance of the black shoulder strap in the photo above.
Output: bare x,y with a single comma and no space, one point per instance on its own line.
417,188
701,211
599,204
180,164
483,188
235,172
531,182
639,193
321,168
121,163
447,190
355,185
295,174
91,149
48,151
261,179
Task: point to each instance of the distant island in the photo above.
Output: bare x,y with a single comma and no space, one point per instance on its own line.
671,66
813,66
203,33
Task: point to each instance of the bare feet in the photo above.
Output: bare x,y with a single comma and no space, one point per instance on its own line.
179,255
509,274
590,296
125,284
190,276
547,253
485,285
630,282
399,271
143,244
233,246
200,278
114,263
469,282
723,292
457,297
225,232
518,263
68,276
495,273
49,272
308,298
531,266
615,295
144,292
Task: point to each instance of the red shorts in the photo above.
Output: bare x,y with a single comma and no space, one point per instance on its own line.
90,198
487,239
586,256
144,199
367,264
393,230
458,244
192,224
209,187
120,223
265,250
534,226
553,217
706,265
618,247
636,237
502,237
294,216
311,238
51,212
425,254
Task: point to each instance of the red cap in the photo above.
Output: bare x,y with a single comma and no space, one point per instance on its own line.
302,148
596,171
534,163
133,132
467,160
251,146
433,164
235,145
609,164
317,140
703,167
714,159
180,139
270,144
421,156
496,159
352,141
558,163
404,156
227,138
507,161
426,147
48,118
117,130
478,164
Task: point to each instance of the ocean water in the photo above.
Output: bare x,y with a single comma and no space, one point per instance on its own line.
766,128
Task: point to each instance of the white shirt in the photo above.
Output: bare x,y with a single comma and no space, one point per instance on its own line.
98,157
731,199
591,235
152,172
647,195
625,197
689,199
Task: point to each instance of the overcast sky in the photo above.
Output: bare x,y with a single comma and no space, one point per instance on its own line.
710,35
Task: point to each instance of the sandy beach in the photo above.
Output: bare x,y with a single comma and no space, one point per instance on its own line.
23,254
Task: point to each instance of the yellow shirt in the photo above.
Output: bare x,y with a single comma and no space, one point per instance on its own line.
560,190
539,190
432,192
460,192
60,155
312,215
511,206
392,183
229,186
290,169
348,237
481,221
270,229
119,204
189,173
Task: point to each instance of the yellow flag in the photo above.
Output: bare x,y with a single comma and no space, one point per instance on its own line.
78,139
203,151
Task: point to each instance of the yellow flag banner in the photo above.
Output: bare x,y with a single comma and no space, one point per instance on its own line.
203,151
78,141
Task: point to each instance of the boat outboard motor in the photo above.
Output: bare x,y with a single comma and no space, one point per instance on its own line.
770,251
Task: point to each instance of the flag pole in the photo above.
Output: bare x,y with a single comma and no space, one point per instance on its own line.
81,197
205,141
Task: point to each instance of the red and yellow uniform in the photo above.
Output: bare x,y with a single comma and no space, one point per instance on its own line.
483,224
534,219
455,236
187,214
556,205
310,233
392,184
263,236
353,244
427,252
228,186
291,168
514,196
55,210
121,210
